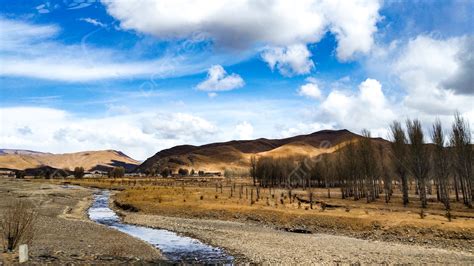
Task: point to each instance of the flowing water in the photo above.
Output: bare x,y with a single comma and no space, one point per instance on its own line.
176,248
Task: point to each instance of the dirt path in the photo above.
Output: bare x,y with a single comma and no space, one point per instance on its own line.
63,233
265,245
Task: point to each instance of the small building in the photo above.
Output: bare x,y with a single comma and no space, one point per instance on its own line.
99,173
8,173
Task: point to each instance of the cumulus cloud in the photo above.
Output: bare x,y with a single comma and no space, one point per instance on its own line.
353,23
275,23
310,90
219,80
138,135
435,74
462,82
366,108
291,60
244,130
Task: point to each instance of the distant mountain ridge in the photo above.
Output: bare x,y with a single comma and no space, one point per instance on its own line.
90,160
21,152
236,154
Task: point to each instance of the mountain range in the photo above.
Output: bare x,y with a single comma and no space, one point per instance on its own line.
235,155
215,157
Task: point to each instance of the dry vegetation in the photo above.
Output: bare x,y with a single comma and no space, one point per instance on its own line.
17,224
292,210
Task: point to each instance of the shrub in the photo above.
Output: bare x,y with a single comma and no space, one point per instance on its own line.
79,172
17,224
117,172
183,172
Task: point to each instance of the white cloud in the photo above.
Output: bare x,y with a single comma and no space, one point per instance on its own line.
310,90
139,134
94,22
173,125
30,50
427,77
113,109
219,80
435,73
303,128
212,95
291,60
16,35
244,130
274,23
353,23
367,108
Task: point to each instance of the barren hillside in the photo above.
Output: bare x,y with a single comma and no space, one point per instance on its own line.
236,154
90,160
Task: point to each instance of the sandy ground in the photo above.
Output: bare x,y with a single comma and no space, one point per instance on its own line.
63,233
266,245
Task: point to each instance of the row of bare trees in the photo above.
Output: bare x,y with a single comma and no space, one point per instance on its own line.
369,168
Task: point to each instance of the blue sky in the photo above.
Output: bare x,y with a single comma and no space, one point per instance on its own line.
140,77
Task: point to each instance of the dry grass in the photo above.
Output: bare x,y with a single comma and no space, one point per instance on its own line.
375,220
204,199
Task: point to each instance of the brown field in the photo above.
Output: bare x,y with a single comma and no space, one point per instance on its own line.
187,198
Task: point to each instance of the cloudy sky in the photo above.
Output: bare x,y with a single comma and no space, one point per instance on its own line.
141,76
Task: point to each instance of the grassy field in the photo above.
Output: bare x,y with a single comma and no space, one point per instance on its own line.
237,200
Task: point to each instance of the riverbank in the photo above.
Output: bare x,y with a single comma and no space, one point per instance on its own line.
259,244
63,232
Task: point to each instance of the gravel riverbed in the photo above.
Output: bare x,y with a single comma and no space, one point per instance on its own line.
258,244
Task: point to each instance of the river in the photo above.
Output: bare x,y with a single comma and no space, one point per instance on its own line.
174,247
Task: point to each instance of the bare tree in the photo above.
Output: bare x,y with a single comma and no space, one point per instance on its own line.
17,224
253,169
386,176
418,157
367,165
463,157
399,156
350,172
440,163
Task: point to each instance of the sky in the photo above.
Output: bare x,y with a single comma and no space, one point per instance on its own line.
142,76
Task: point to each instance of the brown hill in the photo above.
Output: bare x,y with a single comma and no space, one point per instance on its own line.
90,160
235,155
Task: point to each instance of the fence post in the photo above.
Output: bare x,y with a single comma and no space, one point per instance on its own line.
23,253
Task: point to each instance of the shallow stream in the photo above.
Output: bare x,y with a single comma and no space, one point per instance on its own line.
174,247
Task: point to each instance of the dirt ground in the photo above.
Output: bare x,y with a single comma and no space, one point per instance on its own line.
63,233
